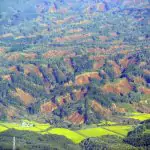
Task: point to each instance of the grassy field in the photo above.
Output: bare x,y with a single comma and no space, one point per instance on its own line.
95,132
75,136
120,130
139,116
72,135
37,127
106,130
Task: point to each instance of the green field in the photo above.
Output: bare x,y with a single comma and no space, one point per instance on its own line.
75,136
72,135
140,116
107,130
120,130
37,127
95,132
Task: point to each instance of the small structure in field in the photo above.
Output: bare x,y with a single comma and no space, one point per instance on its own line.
26,124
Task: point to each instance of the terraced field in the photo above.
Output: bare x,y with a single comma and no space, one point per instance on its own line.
140,116
75,136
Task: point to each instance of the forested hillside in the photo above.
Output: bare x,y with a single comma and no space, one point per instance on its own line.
72,63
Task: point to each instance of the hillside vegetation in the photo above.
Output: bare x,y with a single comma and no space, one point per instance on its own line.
80,68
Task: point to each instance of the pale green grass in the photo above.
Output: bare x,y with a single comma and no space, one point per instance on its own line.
75,137
120,130
140,116
107,130
147,131
2,128
36,128
95,132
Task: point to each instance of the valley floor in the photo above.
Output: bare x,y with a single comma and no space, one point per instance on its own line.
75,135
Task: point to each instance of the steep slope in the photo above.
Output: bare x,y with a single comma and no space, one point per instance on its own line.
74,62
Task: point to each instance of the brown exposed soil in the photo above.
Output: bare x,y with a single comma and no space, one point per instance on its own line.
65,20
79,94
56,53
16,56
100,109
116,68
13,57
76,118
11,112
24,97
139,80
141,108
48,107
32,68
72,37
103,38
64,99
30,55
85,78
146,71
116,108
13,69
2,50
78,30
120,87
6,77
144,90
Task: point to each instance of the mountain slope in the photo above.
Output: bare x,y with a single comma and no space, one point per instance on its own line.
74,62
